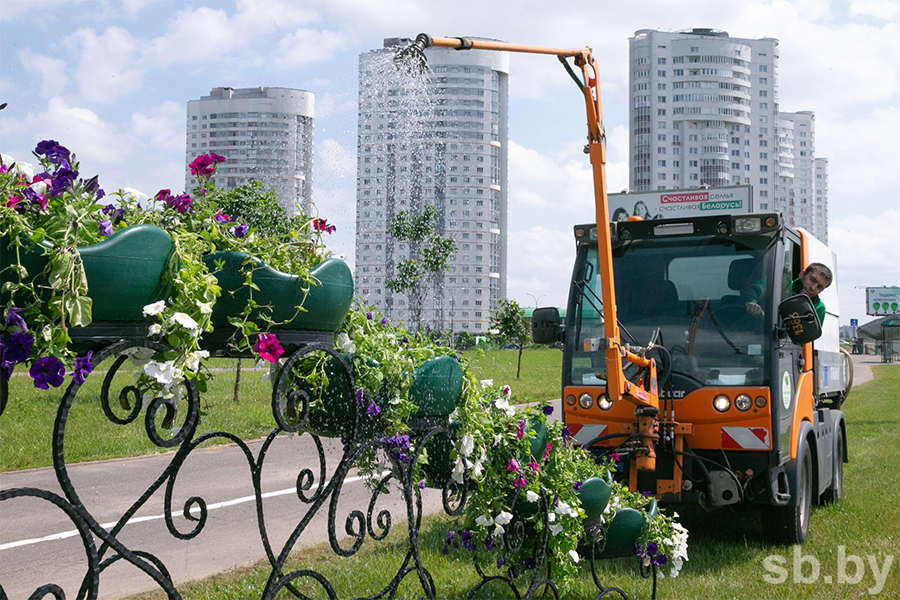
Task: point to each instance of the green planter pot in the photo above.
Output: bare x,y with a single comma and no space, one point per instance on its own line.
594,496
440,448
624,530
436,386
325,306
125,272
539,441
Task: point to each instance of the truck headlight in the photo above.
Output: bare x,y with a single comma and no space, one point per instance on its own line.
721,403
585,401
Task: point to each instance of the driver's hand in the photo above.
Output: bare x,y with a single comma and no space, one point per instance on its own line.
753,309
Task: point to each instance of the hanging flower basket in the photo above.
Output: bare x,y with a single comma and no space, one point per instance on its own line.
290,301
124,272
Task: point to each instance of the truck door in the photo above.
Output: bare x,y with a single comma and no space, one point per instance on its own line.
788,363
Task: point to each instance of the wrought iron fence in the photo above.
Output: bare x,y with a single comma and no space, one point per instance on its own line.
319,489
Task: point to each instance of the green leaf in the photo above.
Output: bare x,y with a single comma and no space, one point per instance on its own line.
79,310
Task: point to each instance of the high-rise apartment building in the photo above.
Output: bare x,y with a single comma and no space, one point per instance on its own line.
704,112
264,133
441,141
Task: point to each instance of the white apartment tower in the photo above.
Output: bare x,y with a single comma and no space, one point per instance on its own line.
264,133
444,145
704,112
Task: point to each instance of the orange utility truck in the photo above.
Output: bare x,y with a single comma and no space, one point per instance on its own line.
666,370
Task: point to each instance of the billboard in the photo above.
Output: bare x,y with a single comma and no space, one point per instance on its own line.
668,204
882,301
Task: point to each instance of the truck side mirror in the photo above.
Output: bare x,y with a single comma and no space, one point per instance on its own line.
546,326
799,318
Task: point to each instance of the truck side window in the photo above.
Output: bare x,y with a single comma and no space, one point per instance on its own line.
791,268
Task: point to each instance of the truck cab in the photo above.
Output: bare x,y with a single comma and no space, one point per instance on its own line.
746,414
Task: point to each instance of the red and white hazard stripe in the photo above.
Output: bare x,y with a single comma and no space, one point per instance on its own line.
582,434
745,438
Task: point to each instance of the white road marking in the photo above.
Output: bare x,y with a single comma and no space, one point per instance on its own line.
133,520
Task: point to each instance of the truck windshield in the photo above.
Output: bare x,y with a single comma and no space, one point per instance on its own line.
695,291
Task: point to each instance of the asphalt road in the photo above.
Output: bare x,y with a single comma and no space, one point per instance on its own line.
38,544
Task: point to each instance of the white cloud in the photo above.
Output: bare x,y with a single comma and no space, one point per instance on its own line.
163,127
107,63
52,70
879,9
540,263
306,46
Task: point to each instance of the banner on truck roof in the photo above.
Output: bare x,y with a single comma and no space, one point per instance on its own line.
670,204
882,301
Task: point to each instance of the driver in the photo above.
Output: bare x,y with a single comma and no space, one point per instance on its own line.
815,278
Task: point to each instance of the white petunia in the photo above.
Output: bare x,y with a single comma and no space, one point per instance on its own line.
574,556
165,373
531,496
556,529
478,468
155,329
39,187
467,445
205,307
345,344
503,404
185,320
486,383
155,308
459,470
503,518
485,521
192,362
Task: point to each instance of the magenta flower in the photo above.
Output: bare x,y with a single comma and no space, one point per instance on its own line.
220,218
521,430
181,203
205,164
519,482
322,225
47,371
267,347
164,196
548,450
512,466
534,467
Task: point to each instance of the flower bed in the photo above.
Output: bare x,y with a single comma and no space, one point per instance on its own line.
74,257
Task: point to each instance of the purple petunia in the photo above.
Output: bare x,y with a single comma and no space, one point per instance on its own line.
47,371
55,152
372,409
548,410
577,486
360,395
14,320
82,368
17,347
105,228
62,181
241,230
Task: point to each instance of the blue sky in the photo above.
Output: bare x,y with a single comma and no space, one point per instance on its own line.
110,80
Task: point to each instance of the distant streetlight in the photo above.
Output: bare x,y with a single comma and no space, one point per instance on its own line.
535,299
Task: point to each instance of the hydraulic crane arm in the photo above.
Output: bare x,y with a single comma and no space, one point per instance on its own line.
618,387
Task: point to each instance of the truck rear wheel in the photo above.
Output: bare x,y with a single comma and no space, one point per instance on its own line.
835,491
790,524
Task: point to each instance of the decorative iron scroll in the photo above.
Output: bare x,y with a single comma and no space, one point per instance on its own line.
318,488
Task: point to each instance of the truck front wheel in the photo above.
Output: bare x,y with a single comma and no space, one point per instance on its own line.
790,524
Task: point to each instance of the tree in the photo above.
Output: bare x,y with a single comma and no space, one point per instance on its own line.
427,259
510,324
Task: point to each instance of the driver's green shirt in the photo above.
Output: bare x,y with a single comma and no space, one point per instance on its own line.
797,287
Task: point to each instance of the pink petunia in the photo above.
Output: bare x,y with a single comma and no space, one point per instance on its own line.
512,466
267,347
519,482
534,467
